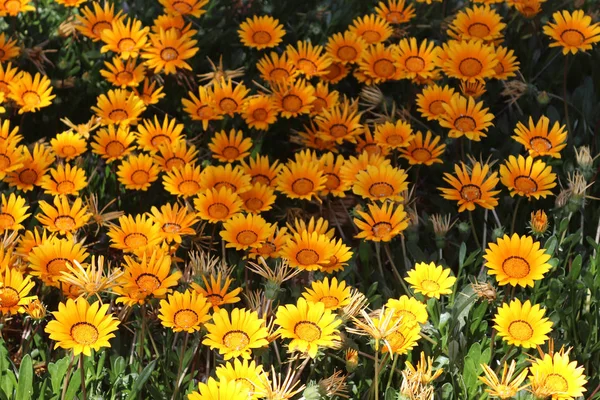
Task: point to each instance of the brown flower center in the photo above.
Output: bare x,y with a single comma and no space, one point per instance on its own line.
135,240
436,107
540,144
261,37
114,148
228,104
421,154
291,103
415,64
381,189
31,98
470,192
9,297
465,123
371,36
381,229
478,30
6,221
572,37
230,152
185,318
303,186
65,223
148,282
28,176
347,53
470,67
218,211
169,54
307,257
126,44
384,68
526,184
118,114
140,177
246,237
516,267
84,333
338,130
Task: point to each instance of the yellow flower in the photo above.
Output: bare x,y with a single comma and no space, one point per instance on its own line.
470,60
346,48
12,213
245,231
222,390
301,180
478,23
51,256
308,250
248,374
174,222
572,31
381,223
151,135
8,48
474,188
525,177
229,148
64,218
169,51
430,279
381,183
31,93
466,117
93,23
125,39
416,61
522,324
119,107
539,139
134,234
261,32
217,291
14,291
202,108
68,145
331,293
372,28
432,99
113,142
228,100
395,11
183,181
63,180
259,112
557,376
295,99
309,60
33,168
192,8
123,74
184,312
138,172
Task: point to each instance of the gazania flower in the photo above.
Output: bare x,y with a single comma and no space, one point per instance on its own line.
414,60
526,177
572,31
92,23
125,39
248,374
470,60
529,8
309,138
506,387
244,231
392,135
33,169
138,172
31,93
14,7
332,167
224,389
11,156
395,11
229,148
380,183
307,251
478,23
145,277
507,63
151,135
64,180
309,325
472,89
335,72
14,291
346,48
237,334
354,165
174,222
184,312
319,225
216,205
411,310
324,98
31,239
470,189
557,376
8,75
176,155
70,3
539,139
192,8
423,150
430,279
274,68
338,261
402,340
169,51
228,100
333,294
516,260
340,124
259,112
381,223
113,142
301,180
431,101
294,99
217,291
258,199
308,59
50,257
272,246
68,145
201,108
372,28
522,325
81,326
63,217
150,94
466,117
119,107
227,176
378,63
261,32
123,74
8,48
12,213
88,280
134,234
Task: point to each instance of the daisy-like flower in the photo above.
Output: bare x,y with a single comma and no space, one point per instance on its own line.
335,184
8,48
14,291
50,258
472,89
119,107
381,183
134,234
541,140
258,199
261,32
557,376
432,99
230,147
217,205
123,74
416,60
228,100
522,324
466,117
201,107
378,63
295,99
184,312
335,72
431,280
168,51
34,167
151,135
527,177
411,310
64,218
394,136
372,28
174,221
402,340
113,142
176,155
89,280
13,211
479,23
222,390
31,93
505,387
259,112
126,39
217,291
572,31
324,98
193,8
395,11
308,250
228,176
309,325
474,188
63,180
339,124
332,293
247,373
150,94
381,223
8,75
346,48
93,23
301,180
68,145
507,64
11,156
425,150
274,68
138,172
309,60
470,60
244,231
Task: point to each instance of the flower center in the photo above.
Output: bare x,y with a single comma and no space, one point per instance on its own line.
100,26
124,77
338,130
215,299
381,189
204,111
188,187
254,204
307,66
159,139
228,104
114,149
520,330
292,103
65,187
218,211
68,150
516,267
65,223
140,177
384,68
262,179
347,53
526,184
436,107
279,74
28,176
470,67
308,331
479,30
31,98
135,240
302,186
185,318
174,162
333,181
9,297
307,257
430,286
465,123
572,37
148,282
470,192
236,340
261,37
556,383
169,54
6,221
415,64
330,301
84,333
407,316
229,185
5,162
118,114
182,7
381,229
540,144
246,237
334,70
421,154
260,114
56,265
230,152
371,36
171,227
126,44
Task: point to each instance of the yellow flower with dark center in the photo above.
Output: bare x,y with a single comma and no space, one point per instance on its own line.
529,8
372,28
14,291
151,135
172,22
274,68
346,48
335,72
145,277
31,93
68,145
30,239
150,94
522,324
378,63
229,148
572,31
14,7
11,157
175,155
51,256
82,327
517,260
421,150
506,387
338,261
168,51
258,199
295,99
331,293
64,218
395,11
307,250
381,183
125,39
193,8
309,138
12,212
271,247
222,390
216,292
123,74
309,325
381,223
8,75
134,234
392,135
309,60
354,165
113,142
261,32
402,340
236,334
301,180
527,177
339,124
472,89
557,376
228,100
184,312
507,63
245,231
416,60
217,205
246,373
8,48
466,117
470,60
92,23
183,181
202,108
174,222
478,23
432,99
119,107
65,179
33,169
259,112
36,310
431,280
472,188
411,310
335,184
368,144
138,172
228,176
541,140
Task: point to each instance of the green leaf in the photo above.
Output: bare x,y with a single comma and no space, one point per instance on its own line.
141,379
551,245
57,372
576,267
462,253
74,384
25,385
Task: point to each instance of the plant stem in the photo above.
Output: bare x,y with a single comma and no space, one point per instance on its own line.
376,377
142,337
391,373
565,94
67,378
181,356
82,369
473,229
378,253
388,252
514,218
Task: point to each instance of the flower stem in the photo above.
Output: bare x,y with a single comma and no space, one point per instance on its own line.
391,373
67,378
376,377
514,218
181,356
566,69
82,369
142,337
473,229
388,252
